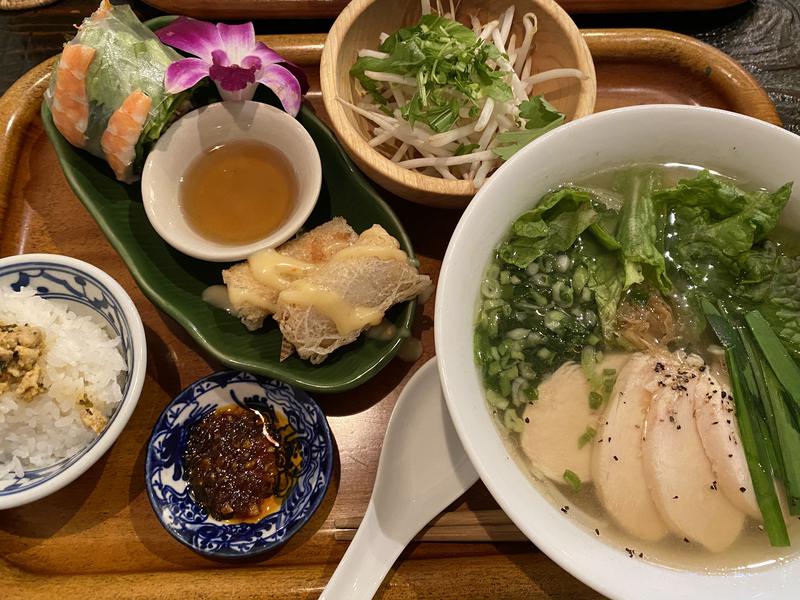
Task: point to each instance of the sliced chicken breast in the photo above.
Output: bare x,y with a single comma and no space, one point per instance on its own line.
555,421
616,464
558,418
676,468
719,433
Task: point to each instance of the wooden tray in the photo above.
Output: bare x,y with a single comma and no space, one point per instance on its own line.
99,537
321,9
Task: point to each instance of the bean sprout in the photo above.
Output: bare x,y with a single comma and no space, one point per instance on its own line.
465,145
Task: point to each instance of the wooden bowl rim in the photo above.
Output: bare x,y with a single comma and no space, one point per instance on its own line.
364,154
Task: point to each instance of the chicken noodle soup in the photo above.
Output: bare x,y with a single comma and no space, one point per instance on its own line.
610,388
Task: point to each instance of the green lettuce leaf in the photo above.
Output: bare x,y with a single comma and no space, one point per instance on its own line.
640,230
607,282
553,225
541,117
770,281
713,224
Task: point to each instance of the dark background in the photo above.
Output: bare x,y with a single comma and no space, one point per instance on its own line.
764,35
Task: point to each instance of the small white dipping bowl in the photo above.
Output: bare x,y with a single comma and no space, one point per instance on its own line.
208,127
733,144
87,291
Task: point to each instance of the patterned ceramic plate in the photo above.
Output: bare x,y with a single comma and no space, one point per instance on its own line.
167,487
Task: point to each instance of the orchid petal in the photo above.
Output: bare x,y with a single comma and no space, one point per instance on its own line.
237,40
191,36
220,58
183,74
298,74
268,56
286,87
251,62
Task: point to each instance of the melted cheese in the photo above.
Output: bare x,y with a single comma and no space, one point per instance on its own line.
273,269
240,296
381,252
346,316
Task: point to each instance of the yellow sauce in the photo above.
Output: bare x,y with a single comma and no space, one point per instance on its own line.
273,269
238,193
241,296
346,316
381,252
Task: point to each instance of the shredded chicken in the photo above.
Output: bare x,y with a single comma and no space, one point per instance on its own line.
91,417
21,348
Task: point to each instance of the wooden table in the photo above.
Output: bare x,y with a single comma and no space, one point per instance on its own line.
764,36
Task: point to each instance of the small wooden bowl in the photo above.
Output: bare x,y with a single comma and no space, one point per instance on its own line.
557,44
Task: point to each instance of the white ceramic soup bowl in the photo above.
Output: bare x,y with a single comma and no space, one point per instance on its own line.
208,127
730,143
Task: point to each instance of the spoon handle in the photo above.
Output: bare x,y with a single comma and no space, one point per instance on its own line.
367,561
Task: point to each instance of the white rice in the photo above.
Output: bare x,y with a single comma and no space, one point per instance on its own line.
80,358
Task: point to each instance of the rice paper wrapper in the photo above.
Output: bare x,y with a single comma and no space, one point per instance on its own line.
128,57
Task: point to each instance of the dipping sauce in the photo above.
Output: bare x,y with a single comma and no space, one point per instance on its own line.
239,464
238,193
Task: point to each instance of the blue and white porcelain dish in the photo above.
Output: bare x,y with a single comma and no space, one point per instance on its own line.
168,488
85,290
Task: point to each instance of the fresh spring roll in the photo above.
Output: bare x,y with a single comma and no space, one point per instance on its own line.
107,93
254,285
331,306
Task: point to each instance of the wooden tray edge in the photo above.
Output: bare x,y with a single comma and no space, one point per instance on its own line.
18,107
309,9
740,88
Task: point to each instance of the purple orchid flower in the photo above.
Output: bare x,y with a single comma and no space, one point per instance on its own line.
234,60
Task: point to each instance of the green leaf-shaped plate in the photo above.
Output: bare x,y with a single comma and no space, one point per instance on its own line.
174,282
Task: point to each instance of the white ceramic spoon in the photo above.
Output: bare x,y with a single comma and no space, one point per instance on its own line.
422,469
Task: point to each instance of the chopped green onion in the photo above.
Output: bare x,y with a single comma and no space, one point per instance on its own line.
595,400
553,318
587,436
512,421
573,480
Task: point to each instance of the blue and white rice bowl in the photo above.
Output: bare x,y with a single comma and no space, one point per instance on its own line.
168,488
84,290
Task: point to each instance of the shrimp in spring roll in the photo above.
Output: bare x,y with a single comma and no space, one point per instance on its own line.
107,93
